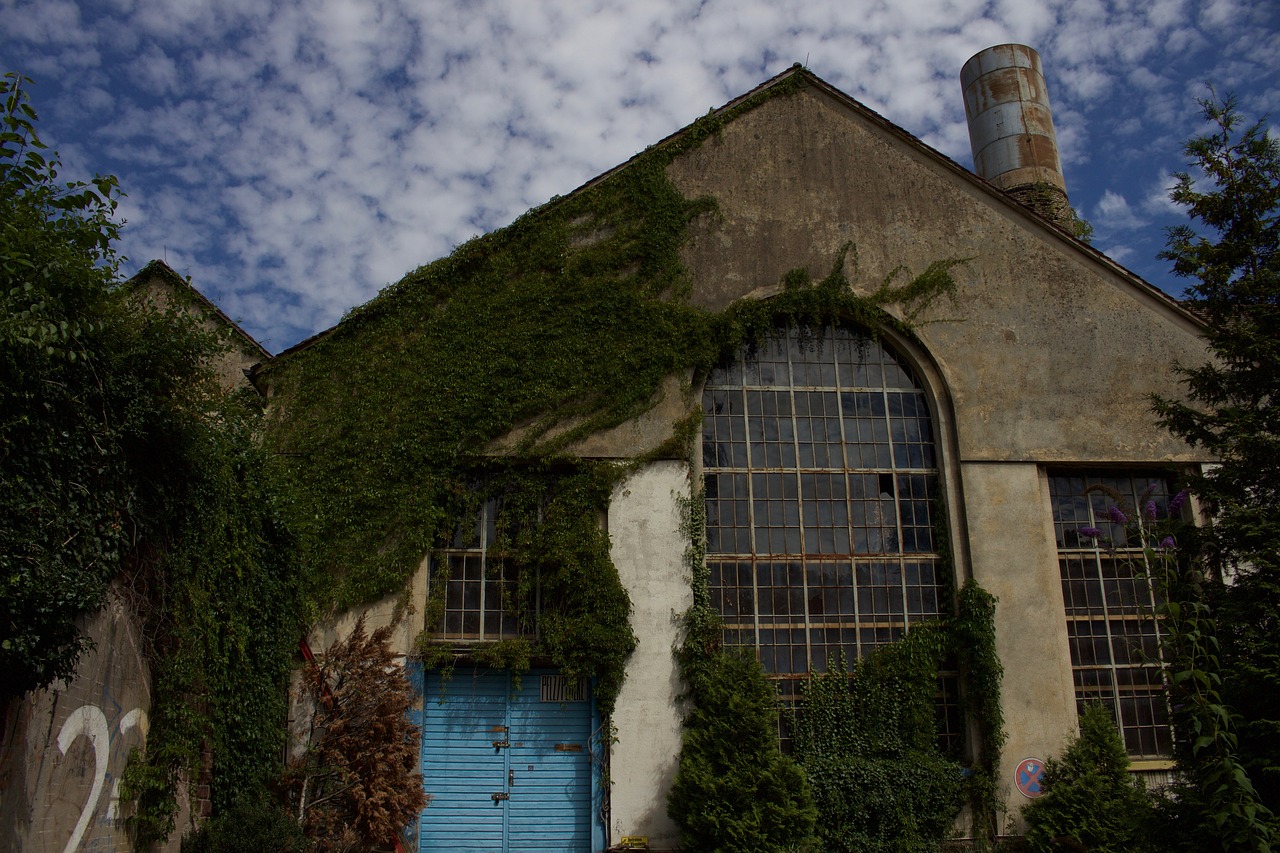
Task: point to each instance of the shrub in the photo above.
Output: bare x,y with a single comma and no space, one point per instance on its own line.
254,824
1090,800
735,791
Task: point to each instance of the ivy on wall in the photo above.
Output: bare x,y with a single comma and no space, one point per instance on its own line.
552,329
868,745
866,741
974,641
218,592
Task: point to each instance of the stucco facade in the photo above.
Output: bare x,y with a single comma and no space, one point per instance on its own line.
1043,361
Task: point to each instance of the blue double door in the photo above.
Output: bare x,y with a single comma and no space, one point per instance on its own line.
506,763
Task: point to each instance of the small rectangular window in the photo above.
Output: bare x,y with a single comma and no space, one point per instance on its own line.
479,596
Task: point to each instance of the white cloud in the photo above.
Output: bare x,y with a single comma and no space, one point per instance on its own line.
1113,212
1118,252
1157,201
294,156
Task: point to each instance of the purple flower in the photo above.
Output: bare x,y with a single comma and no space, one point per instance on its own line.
1167,544
1114,513
1149,511
1175,505
1090,532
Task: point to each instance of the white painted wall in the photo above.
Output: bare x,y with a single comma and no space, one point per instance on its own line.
648,550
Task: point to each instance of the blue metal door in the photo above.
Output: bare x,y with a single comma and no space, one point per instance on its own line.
507,765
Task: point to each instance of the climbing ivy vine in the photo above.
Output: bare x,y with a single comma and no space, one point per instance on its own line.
487,366
973,637
868,745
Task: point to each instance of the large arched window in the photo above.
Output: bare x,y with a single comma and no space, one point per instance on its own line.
821,477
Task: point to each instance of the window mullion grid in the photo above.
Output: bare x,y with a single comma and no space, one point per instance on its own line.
751,515
848,509
1112,668
484,564
795,448
897,505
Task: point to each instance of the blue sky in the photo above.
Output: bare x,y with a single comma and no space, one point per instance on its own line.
295,156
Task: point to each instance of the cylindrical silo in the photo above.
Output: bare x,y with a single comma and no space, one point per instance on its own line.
1011,133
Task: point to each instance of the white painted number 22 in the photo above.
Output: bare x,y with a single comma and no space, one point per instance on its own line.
89,721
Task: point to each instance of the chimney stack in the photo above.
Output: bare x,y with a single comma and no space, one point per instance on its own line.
1011,133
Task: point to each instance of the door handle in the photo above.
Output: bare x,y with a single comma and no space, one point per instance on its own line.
511,778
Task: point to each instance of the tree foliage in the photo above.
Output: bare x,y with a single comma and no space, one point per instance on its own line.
1232,254
735,792
358,784
867,742
1090,800
62,430
94,392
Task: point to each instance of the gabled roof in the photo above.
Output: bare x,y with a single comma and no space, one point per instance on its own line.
159,269
997,195
799,75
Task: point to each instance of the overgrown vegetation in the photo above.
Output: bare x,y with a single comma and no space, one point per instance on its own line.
121,460
471,378
1051,202
868,744
1090,801
735,791
518,344
973,640
1230,650
75,407
251,823
550,540
218,592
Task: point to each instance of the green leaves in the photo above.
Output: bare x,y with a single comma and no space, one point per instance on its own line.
734,791
868,745
1231,252
1089,796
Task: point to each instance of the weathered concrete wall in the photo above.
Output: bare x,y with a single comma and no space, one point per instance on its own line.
1015,558
1051,350
648,550
401,611
66,748
160,284
1047,355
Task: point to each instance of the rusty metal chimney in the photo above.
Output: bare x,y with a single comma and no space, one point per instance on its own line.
1011,133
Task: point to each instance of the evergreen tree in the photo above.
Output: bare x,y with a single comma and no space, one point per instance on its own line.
735,792
1233,257
1090,802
